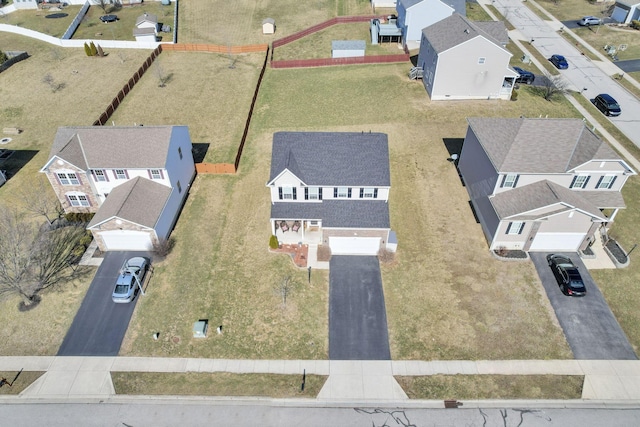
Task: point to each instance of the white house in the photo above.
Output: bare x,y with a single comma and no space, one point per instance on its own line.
414,15
135,180
25,4
331,188
625,11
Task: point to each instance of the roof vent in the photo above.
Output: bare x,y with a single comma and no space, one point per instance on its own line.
466,30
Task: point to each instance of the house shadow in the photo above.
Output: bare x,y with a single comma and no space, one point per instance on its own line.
414,60
454,147
200,151
16,161
473,211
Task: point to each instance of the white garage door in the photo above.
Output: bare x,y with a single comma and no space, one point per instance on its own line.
354,245
120,240
619,14
568,242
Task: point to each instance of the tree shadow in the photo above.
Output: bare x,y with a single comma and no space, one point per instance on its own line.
200,151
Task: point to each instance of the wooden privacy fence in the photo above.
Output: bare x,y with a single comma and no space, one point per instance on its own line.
326,62
214,48
215,168
320,26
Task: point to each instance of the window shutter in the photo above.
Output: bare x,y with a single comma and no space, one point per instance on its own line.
106,177
349,193
294,194
320,193
586,181
280,193
57,178
361,193
306,193
161,174
521,228
375,193
88,200
612,181
126,173
515,183
68,199
599,181
78,178
149,173
573,181
509,227
335,192
95,178
115,175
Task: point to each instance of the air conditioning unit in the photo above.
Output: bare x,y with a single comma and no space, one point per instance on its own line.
200,328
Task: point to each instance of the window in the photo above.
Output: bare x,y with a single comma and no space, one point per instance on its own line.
606,181
342,192
481,60
120,174
515,227
68,178
579,181
179,187
99,175
78,199
180,152
509,180
368,193
287,193
313,193
155,174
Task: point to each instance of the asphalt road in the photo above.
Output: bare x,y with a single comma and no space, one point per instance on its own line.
100,325
629,66
592,331
168,412
357,314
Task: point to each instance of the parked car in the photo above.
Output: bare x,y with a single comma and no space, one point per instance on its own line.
526,77
607,105
567,275
559,61
589,20
131,276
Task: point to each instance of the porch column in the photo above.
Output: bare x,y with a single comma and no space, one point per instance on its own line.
613,215
302,227
273,227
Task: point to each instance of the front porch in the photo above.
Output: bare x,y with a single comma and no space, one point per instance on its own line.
297,231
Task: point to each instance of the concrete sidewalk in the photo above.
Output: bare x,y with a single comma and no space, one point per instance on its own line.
365,381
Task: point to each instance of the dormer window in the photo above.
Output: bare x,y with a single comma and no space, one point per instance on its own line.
509,180
606,182
580,181
287,193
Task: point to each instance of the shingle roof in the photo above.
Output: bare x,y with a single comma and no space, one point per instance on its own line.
143,31
348,45
138,200
525,145
96,147
332,158
457,29
337,213
519,202
147,17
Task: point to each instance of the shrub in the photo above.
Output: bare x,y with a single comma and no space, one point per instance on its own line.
78,217
386,256
514,95
635,24
163,247
273,242
3,57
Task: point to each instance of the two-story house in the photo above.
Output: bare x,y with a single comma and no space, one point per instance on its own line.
461,59
414,15
135,179
541,184
331,188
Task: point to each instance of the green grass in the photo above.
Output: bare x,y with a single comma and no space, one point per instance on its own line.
598,37
472,387
19,384
567,10
627,85
36,20
217,384
475,12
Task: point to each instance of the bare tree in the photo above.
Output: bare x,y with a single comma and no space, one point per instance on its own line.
32,260
552,86
284,288
39,200
55,86
163,77
103,4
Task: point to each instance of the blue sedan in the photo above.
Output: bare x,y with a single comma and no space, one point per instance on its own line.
559,62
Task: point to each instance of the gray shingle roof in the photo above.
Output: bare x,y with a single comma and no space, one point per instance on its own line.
525,145
457,29
96,147
337,213
332,158
604,199
518,202
138,200
348,45
148,17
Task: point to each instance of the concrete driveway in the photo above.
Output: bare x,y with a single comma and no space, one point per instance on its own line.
99,326
591,330
357,314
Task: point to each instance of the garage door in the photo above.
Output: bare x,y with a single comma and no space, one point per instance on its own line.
619,14
568,242
120,240
354,245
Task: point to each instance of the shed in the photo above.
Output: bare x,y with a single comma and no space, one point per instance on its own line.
268,26
145,35
147,20
347,48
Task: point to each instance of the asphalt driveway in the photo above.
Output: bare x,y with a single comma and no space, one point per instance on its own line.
629,66
357,314
99,326
591,330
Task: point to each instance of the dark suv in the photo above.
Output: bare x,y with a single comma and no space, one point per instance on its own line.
526,77
607,105
567,275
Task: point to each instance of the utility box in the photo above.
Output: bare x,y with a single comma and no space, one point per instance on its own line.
200,328
525,59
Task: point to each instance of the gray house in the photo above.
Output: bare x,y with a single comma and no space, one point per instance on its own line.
461,59
541,184
332,189
414,15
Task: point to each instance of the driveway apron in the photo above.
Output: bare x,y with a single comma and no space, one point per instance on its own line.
100,324
592,331
357,314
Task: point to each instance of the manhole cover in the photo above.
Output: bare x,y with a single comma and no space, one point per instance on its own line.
5,140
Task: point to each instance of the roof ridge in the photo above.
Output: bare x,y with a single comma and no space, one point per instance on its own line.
134,182
575,147
84,156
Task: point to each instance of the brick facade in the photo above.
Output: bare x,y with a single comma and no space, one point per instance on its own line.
112,225
61,190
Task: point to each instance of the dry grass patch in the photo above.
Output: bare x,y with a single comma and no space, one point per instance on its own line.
472,387
475,12
603,35
36,20
210,93
573,10
217,384
24,379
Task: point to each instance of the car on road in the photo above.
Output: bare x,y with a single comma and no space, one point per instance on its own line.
559,61
526,77
567,275
607,105
589,20
130,278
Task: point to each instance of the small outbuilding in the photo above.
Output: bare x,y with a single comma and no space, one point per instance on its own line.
268,26
347,48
